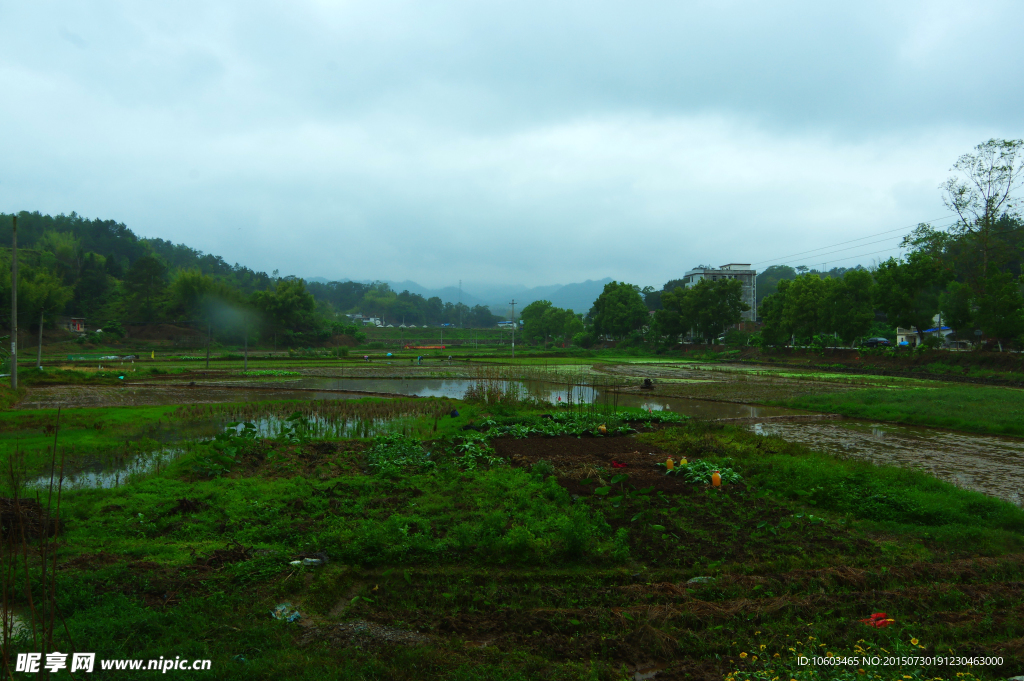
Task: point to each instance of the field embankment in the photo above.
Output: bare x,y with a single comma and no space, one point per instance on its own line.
976,409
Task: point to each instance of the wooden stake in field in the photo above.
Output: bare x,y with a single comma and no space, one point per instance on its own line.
14,303
513,304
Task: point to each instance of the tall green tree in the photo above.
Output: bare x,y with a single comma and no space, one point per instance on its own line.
67,251
713,306
93,286
846,307
287,307
908,290
541,321
802,314
45,292
145,284
981,193
775,330
619,309
535,327
673,319
956,305
1001,308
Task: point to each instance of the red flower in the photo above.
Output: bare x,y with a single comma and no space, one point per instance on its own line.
616,464
878,620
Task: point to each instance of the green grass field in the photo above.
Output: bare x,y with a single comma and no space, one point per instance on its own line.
977,409
542,562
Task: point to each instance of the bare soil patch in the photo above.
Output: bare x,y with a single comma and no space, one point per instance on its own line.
582,458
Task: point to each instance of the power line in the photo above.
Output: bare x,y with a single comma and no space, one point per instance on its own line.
862,255
850,248
843,243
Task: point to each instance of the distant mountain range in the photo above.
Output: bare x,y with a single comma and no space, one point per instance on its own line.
579,297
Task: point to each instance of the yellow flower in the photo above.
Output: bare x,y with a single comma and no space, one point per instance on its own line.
762,646
756,633
913,641
810,638
792,650
754,658
860,671
776,655
743,655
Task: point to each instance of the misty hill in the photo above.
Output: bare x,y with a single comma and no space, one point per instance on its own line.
578,296
117,250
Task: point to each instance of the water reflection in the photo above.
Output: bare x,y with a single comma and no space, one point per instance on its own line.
550,392
103,475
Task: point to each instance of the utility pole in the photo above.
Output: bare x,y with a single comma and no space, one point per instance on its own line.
513,304
245,357
209,332
460,303
14,304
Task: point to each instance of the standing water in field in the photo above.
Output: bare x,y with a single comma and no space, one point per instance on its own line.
985,463
98,475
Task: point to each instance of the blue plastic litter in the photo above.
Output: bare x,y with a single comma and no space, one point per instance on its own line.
286,612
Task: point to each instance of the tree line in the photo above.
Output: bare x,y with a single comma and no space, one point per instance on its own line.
968,274
101,270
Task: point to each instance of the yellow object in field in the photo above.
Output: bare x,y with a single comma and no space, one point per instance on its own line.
669,463
716,479
602,429
152,354
683,461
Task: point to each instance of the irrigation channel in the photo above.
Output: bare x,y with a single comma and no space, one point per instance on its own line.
986,463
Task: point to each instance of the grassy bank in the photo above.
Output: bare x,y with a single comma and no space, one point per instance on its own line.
505,554
976,409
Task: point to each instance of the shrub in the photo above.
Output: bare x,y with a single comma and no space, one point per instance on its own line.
396,454
583,339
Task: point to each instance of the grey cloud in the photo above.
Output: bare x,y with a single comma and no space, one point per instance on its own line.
527,142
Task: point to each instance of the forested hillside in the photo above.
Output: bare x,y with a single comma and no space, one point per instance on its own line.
101,270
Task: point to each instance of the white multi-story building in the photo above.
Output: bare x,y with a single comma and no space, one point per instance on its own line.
741,271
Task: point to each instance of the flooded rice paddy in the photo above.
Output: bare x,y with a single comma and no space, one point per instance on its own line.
104,474
989,464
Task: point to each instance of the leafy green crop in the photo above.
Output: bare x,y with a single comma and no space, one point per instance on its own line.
392,453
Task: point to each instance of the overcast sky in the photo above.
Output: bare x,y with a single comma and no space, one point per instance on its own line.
503,142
